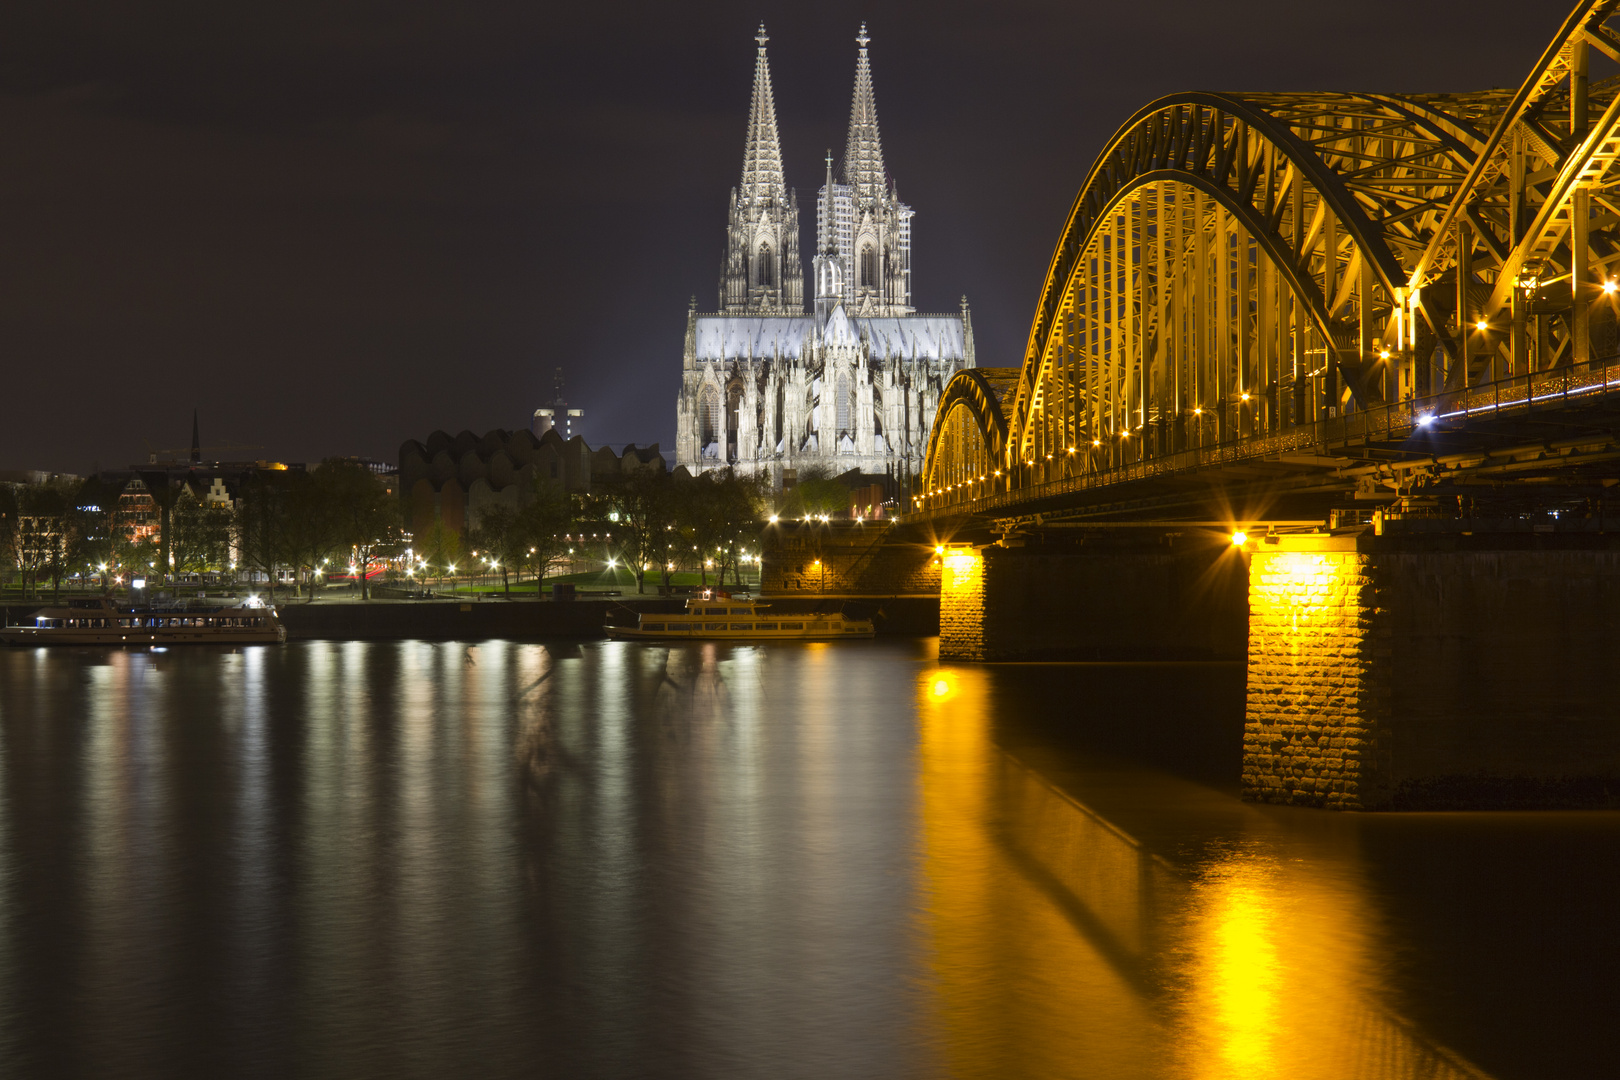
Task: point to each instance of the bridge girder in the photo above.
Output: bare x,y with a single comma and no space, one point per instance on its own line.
1243,268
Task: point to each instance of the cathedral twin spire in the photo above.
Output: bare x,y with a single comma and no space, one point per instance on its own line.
762,274
762,151
863,151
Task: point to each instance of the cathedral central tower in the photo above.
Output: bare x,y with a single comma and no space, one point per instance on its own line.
762,274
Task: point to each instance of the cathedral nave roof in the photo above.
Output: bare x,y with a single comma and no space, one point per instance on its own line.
733,337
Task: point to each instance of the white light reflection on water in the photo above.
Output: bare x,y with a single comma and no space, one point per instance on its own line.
445,859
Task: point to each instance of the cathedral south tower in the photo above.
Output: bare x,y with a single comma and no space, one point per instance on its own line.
861,222
762,274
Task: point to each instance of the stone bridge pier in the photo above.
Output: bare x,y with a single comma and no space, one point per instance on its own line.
1445,671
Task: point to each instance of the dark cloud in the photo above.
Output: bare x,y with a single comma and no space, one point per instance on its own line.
332,227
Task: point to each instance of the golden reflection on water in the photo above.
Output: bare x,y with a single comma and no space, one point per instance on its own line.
1059,945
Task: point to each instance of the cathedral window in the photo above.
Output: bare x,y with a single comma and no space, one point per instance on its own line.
765,267
734,401
708,417
845,404
868,266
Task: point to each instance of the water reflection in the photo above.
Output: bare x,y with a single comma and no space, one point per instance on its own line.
492,859
1062,946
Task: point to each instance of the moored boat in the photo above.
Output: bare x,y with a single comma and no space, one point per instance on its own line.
99,621
726,618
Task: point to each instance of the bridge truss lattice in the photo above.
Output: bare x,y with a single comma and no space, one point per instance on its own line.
1254,270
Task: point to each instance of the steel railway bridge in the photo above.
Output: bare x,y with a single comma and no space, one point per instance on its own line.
1330,382
1290,299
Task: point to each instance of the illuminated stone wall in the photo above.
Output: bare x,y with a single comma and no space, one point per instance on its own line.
1391,673
1312,703
961,605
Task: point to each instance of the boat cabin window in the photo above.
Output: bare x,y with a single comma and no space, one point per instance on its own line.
714,626
742,626
793,626
818,626
653,626
714,611
765,626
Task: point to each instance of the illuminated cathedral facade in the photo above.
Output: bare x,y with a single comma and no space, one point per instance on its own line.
852,383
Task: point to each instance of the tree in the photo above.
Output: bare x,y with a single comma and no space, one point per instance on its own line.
8,528
89,533
740,502
500,536
813,497
546,519
201,535
310,530
439,546
165,494
531,533
364,516
38,541
640,507
261,524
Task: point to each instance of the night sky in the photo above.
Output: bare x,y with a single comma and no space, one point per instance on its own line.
334,227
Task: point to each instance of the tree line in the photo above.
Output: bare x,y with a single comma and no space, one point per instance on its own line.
279,519
340,514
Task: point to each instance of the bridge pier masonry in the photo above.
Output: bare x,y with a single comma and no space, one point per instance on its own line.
1433,671
1384,672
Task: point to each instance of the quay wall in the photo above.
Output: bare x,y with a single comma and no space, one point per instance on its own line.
397,620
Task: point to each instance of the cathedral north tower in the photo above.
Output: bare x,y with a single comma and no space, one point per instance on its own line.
762,274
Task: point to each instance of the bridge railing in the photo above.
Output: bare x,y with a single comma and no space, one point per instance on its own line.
1397,421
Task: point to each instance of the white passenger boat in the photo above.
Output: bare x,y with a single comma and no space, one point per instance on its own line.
725,618
99,621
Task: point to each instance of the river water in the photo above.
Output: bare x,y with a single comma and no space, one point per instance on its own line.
613,860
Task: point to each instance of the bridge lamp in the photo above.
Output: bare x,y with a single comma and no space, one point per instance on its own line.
1425,420
1383,355
1239,539
1096,442
1071,449
1246,396
1610,286
939,549
1198,412
1482,325
772,519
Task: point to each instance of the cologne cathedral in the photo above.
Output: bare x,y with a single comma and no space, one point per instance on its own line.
851,384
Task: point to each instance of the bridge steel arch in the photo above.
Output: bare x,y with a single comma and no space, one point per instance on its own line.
967,445
1239,270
